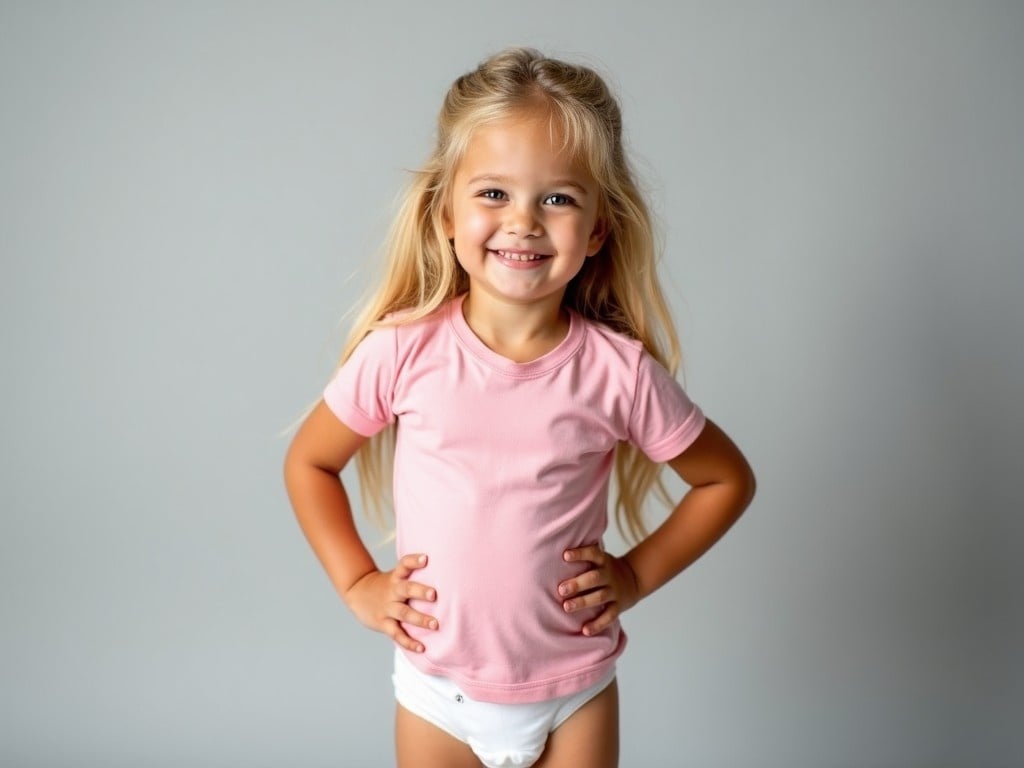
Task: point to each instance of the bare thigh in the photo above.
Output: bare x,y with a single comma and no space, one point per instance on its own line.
420,744
590,737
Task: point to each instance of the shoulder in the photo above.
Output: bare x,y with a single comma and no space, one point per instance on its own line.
408,325
407,336
611,346
600,334
615,350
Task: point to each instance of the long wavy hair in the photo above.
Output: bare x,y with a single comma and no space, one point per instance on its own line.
618,287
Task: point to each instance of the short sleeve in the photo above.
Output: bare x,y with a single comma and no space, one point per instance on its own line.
361,392
664,421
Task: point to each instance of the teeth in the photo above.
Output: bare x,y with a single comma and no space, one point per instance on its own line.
520,256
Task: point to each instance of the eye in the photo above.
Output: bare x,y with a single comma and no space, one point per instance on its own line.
492,194
558,199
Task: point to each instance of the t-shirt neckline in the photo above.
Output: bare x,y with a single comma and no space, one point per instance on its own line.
556,357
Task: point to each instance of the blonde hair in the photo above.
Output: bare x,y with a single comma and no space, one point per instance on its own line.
618,287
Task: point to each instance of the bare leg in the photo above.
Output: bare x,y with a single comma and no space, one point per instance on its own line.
590,737
419,744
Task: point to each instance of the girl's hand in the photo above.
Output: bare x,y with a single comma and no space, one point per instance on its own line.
611,583
380,601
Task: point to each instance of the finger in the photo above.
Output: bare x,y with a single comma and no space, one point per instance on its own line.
413,590
592,553
589,600
587,580
602,622
409,563
404,614
395,632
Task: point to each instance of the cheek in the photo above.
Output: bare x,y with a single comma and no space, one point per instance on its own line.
473,227
570,233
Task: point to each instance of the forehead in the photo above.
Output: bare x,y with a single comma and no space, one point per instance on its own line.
533,145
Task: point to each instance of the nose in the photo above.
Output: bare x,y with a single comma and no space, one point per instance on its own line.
522,221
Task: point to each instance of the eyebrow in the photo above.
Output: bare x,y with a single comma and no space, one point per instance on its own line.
498,179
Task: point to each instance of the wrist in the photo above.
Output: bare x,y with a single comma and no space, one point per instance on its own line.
347,593
630,578
634,577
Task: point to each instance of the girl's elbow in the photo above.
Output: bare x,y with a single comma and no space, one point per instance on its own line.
747,484
295,467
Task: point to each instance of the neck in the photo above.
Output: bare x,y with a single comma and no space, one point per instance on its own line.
519,332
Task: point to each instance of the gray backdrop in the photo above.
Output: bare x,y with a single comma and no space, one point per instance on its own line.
192,195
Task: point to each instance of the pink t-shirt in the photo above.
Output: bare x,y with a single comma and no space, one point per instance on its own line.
499,468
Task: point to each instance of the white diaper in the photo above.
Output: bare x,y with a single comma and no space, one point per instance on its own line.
501,735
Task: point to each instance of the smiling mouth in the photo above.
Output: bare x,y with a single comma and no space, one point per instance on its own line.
521,256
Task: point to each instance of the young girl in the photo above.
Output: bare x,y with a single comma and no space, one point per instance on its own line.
518,350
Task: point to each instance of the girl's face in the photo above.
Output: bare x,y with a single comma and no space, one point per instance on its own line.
523,215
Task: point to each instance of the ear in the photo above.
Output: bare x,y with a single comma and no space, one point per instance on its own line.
597,236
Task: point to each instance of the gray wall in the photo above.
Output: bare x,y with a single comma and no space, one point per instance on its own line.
191,196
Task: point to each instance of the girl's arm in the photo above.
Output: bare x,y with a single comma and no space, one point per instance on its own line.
721,486
320,450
